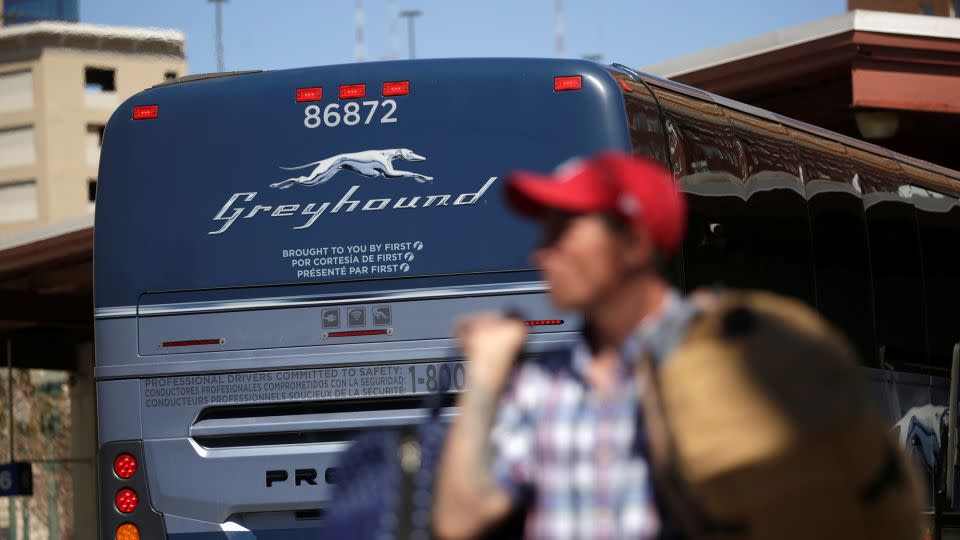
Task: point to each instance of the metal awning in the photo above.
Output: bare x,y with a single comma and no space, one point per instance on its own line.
46,293
876,22
834,72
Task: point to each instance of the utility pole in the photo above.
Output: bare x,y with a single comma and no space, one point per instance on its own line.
13,508
394,45
358,48
219,26
410,15
558,28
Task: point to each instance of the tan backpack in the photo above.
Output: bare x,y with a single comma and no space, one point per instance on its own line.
761,427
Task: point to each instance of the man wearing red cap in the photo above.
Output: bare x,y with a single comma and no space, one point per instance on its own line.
564,426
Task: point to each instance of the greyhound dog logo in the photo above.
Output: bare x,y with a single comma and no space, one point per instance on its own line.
369,163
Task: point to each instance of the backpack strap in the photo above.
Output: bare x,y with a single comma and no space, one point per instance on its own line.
661,340
683,516
409,454
417,448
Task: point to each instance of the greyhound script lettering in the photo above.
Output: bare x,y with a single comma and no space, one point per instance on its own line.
369,164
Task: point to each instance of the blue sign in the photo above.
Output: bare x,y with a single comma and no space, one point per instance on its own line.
16,479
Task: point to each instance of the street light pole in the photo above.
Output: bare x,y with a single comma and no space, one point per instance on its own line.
359,50
558,26
394,53
219,25
410,15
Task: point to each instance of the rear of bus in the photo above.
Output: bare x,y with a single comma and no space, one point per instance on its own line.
279,260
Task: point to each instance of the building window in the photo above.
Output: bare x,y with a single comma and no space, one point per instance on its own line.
16,91
94,140
91,192
17,147
101,88
100,80
18,201
926,8
170,75
955,9
95,134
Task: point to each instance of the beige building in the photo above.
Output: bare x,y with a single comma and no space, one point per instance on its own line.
59,84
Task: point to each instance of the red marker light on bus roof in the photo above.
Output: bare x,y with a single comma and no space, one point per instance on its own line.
146,112
396,88
562,84
310,94
353,91
125,466
126,500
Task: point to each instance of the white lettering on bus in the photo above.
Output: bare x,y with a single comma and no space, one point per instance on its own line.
308,211
231,211
236,211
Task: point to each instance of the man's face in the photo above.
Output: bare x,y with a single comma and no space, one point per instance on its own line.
583,258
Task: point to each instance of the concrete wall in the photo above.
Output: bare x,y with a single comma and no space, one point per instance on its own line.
17,119
83,410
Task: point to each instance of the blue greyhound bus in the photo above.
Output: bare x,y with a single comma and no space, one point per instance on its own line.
279,256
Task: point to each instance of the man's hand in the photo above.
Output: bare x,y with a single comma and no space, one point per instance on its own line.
467,499
491,344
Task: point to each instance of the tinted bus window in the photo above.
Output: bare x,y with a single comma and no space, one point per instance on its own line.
643,119
771,160
779,257
703,151
705,158
938,216
748,219
896,262
647,139
844,283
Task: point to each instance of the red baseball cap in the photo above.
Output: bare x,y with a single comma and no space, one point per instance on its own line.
638,190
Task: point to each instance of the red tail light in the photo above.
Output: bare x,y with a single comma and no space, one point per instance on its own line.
353,91
125,466
545,322
193,342
562,84
126,500
309,94
396,88
359,333
146,112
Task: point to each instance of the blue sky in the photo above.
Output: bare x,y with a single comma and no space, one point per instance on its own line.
275,34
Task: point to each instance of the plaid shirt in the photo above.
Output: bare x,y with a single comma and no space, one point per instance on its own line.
577,448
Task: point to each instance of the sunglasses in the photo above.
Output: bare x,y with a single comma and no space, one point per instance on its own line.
556,222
